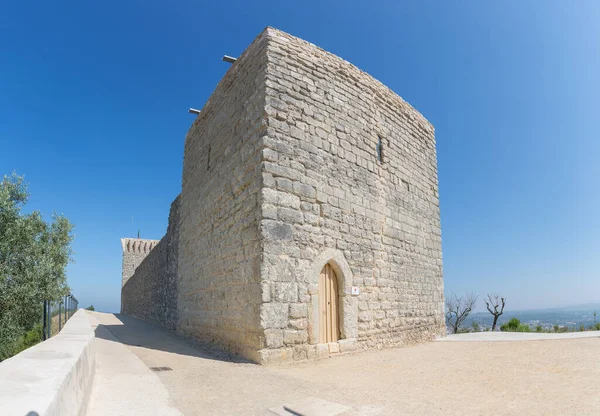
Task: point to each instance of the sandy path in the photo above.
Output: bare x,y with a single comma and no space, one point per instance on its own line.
553,377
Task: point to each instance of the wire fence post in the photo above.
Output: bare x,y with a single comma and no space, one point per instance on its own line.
44,323
67,305
49,315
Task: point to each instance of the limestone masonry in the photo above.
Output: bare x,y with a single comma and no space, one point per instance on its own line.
308,221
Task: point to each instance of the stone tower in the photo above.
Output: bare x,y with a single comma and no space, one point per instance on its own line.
308,222
135,251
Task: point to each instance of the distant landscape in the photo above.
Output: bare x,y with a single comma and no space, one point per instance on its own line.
569,317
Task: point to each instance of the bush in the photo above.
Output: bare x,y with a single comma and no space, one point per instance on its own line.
514,325
597,326
31,337
538,328
510,326
90,308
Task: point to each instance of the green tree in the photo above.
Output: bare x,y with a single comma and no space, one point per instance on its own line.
511,326
90,308
514,325
33,259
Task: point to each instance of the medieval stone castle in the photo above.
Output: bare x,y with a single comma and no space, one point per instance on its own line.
308,222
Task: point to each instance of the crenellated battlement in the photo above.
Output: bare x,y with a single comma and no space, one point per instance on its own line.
138,245
135,251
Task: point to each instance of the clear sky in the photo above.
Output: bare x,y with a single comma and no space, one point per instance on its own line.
94,99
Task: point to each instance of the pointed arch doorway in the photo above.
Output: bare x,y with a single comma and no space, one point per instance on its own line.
329,322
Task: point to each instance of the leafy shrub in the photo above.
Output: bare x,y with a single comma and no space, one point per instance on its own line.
563,329
90,308
510,326
32,337
514,325
538,328
29,339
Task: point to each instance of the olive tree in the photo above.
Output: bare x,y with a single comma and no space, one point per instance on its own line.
33,259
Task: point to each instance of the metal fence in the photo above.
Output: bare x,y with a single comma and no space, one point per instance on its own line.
56,314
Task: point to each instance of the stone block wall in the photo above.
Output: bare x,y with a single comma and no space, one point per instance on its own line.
350,178
219,262
151,292
135,251
298,160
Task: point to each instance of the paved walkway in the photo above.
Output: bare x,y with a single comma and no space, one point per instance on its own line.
553,377
123,384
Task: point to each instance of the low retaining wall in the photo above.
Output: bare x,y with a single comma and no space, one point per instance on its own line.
51,378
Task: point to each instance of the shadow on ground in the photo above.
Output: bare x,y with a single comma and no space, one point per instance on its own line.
137,333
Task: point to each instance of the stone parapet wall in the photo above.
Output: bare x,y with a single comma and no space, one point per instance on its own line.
151,292
54,377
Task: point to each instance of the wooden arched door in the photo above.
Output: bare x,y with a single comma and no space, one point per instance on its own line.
329,327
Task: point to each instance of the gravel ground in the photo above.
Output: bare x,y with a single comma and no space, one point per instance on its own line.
538,377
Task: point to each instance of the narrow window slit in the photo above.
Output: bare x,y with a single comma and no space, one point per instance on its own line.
406,185
379,149
208,163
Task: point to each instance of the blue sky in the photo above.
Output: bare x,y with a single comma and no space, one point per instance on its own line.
94,99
